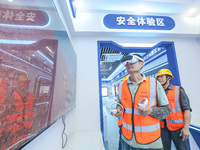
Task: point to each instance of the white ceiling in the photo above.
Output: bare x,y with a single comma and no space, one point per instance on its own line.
161,7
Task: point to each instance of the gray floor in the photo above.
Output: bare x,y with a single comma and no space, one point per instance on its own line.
112,140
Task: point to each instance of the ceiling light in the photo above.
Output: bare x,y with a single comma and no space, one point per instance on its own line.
108,61
192,10
6,41
140,8
79,4
112,53
137,44
49,49
113,57
10,0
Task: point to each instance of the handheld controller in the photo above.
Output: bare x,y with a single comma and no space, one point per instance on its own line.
114,111
143,103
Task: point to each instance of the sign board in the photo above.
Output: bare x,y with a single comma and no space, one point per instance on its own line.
23,17
140,22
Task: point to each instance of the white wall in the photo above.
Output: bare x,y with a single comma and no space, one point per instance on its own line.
188,54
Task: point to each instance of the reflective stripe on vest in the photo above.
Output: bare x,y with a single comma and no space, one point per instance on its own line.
120,88
175,120
120,121
146,129
152,92
177,108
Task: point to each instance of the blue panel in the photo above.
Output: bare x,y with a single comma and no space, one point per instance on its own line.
73,8
120,21
195,131
100,91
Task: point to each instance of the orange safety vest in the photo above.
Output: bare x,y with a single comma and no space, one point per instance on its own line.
3,83
146,129
175,120
20,115
120,121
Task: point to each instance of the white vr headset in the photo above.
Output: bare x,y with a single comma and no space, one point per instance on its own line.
131,59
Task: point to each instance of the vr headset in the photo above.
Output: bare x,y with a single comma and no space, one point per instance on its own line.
130,59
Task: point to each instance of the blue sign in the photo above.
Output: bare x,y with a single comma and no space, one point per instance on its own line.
153,54
120,21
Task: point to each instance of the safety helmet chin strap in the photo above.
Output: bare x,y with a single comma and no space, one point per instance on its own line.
167,79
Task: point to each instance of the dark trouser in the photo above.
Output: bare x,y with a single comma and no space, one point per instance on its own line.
125,146
168,135
120,138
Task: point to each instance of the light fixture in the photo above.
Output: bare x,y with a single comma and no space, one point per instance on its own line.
192,10
137,44
44,56
6,41
140,9
113,57
49,49
79,4
107,61
112,53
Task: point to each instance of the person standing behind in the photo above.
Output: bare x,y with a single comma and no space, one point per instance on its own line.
176,126
141,126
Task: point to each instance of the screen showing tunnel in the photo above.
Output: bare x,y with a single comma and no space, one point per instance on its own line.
37,71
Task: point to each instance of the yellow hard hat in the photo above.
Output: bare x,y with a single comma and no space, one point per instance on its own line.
164,72
22,78
126,77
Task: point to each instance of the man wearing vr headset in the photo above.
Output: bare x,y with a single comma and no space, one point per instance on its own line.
141,126
176,126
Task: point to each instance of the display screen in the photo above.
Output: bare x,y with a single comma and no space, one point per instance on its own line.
37,70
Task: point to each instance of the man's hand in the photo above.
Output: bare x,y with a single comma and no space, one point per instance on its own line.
144,111
119,112
185,133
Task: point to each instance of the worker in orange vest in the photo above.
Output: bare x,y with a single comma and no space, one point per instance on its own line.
141,126
176,126
23,113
